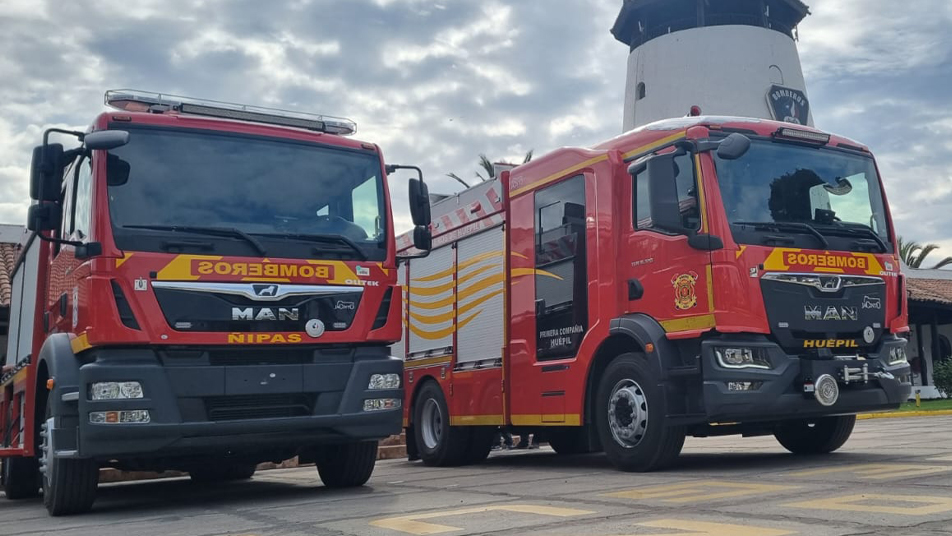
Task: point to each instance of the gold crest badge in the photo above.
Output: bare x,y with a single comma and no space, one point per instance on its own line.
684,295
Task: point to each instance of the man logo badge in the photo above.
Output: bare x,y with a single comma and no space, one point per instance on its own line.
872,302
314,328
869,335
265,290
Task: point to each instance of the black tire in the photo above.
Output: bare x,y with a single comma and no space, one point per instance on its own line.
815,436
347,465
439,444
225,472
69,485
639,409
21,478
481,444
568,441
413,453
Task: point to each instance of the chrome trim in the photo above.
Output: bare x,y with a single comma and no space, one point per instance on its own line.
247,290
824,282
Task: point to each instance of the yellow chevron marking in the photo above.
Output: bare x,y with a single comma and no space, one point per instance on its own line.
439,334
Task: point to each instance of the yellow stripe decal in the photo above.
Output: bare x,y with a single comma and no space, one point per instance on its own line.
740,252
439,304
690,323
558,175
426,362
121,261
710,288
567,419
439,334
477,420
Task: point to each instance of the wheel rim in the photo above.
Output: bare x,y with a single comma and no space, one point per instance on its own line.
628,413
46,452
431,424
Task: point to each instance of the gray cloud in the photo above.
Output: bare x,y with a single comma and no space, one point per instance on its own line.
437,82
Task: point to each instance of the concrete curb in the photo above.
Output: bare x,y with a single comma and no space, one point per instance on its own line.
901,414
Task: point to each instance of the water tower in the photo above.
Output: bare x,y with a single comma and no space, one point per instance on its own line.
730,57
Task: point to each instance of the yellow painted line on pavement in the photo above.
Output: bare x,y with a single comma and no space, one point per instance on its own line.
414,524
702,528
705,490
901,414
878,471
880,504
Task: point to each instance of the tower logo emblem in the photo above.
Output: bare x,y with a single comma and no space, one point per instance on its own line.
788,105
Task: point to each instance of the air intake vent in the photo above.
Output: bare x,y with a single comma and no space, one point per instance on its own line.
231,408
122,305
384,312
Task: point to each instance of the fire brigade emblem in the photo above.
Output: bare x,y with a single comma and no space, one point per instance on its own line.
684,295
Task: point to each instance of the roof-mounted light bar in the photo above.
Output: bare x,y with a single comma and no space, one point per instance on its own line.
132,100
802,135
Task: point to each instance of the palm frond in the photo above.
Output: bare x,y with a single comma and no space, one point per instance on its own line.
943,263
528,157
458,179
486,164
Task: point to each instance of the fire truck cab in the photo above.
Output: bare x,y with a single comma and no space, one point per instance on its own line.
208,286
696,276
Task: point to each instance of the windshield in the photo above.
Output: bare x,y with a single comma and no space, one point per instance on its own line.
288,196
830,192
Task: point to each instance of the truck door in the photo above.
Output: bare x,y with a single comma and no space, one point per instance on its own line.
66,270
551,311
667,278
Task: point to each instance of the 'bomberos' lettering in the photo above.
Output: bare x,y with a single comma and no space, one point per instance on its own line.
263,269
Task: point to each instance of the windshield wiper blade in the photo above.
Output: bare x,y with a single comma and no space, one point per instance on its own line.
857,229
323,239
786,226
211,231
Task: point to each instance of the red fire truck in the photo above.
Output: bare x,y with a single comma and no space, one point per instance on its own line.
208,286
698,276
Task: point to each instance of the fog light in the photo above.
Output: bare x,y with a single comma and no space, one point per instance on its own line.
737,358
134,416
384,381
377,404
826,390
115,390
897,355
743,386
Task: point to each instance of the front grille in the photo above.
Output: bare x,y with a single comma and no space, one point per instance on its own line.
243,407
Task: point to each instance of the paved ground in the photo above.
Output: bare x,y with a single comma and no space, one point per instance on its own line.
893,477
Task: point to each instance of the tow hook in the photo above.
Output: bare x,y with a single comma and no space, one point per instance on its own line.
862,374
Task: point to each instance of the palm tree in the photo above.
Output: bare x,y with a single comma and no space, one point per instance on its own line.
914,254
487,165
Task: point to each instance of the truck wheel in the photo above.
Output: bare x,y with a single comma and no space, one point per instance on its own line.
481,444
440,444
21,478
413,453
568,441
347,465
815,436
222,472
69,485
630,416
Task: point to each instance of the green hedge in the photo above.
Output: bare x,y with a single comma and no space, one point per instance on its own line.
942,375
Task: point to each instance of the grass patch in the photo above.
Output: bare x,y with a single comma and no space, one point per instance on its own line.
927,405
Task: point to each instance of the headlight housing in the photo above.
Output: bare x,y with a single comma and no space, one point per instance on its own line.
897,355
384,381
740,358
115,390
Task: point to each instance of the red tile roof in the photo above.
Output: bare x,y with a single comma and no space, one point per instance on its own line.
8,258
930,290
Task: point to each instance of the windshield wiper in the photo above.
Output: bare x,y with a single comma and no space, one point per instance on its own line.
786,226
211,231
857,229
322,239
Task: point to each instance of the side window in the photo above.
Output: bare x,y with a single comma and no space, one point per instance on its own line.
82,211
367,207
560,260
687,196
66,225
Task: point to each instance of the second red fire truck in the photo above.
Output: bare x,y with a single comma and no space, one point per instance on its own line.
698,276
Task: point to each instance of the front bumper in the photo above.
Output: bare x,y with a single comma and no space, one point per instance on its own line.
197,406
782,394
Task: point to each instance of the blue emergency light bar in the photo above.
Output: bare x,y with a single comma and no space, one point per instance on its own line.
133,100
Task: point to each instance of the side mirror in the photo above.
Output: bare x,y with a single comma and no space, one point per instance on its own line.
733,147
117,170
663,194
46,172
105,139
44,217
422,239
419,203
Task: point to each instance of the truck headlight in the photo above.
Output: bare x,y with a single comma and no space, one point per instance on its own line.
377,404
897,355
131,416
384,381
737,358
115,390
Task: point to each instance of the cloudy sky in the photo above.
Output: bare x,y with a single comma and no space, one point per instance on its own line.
436,82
